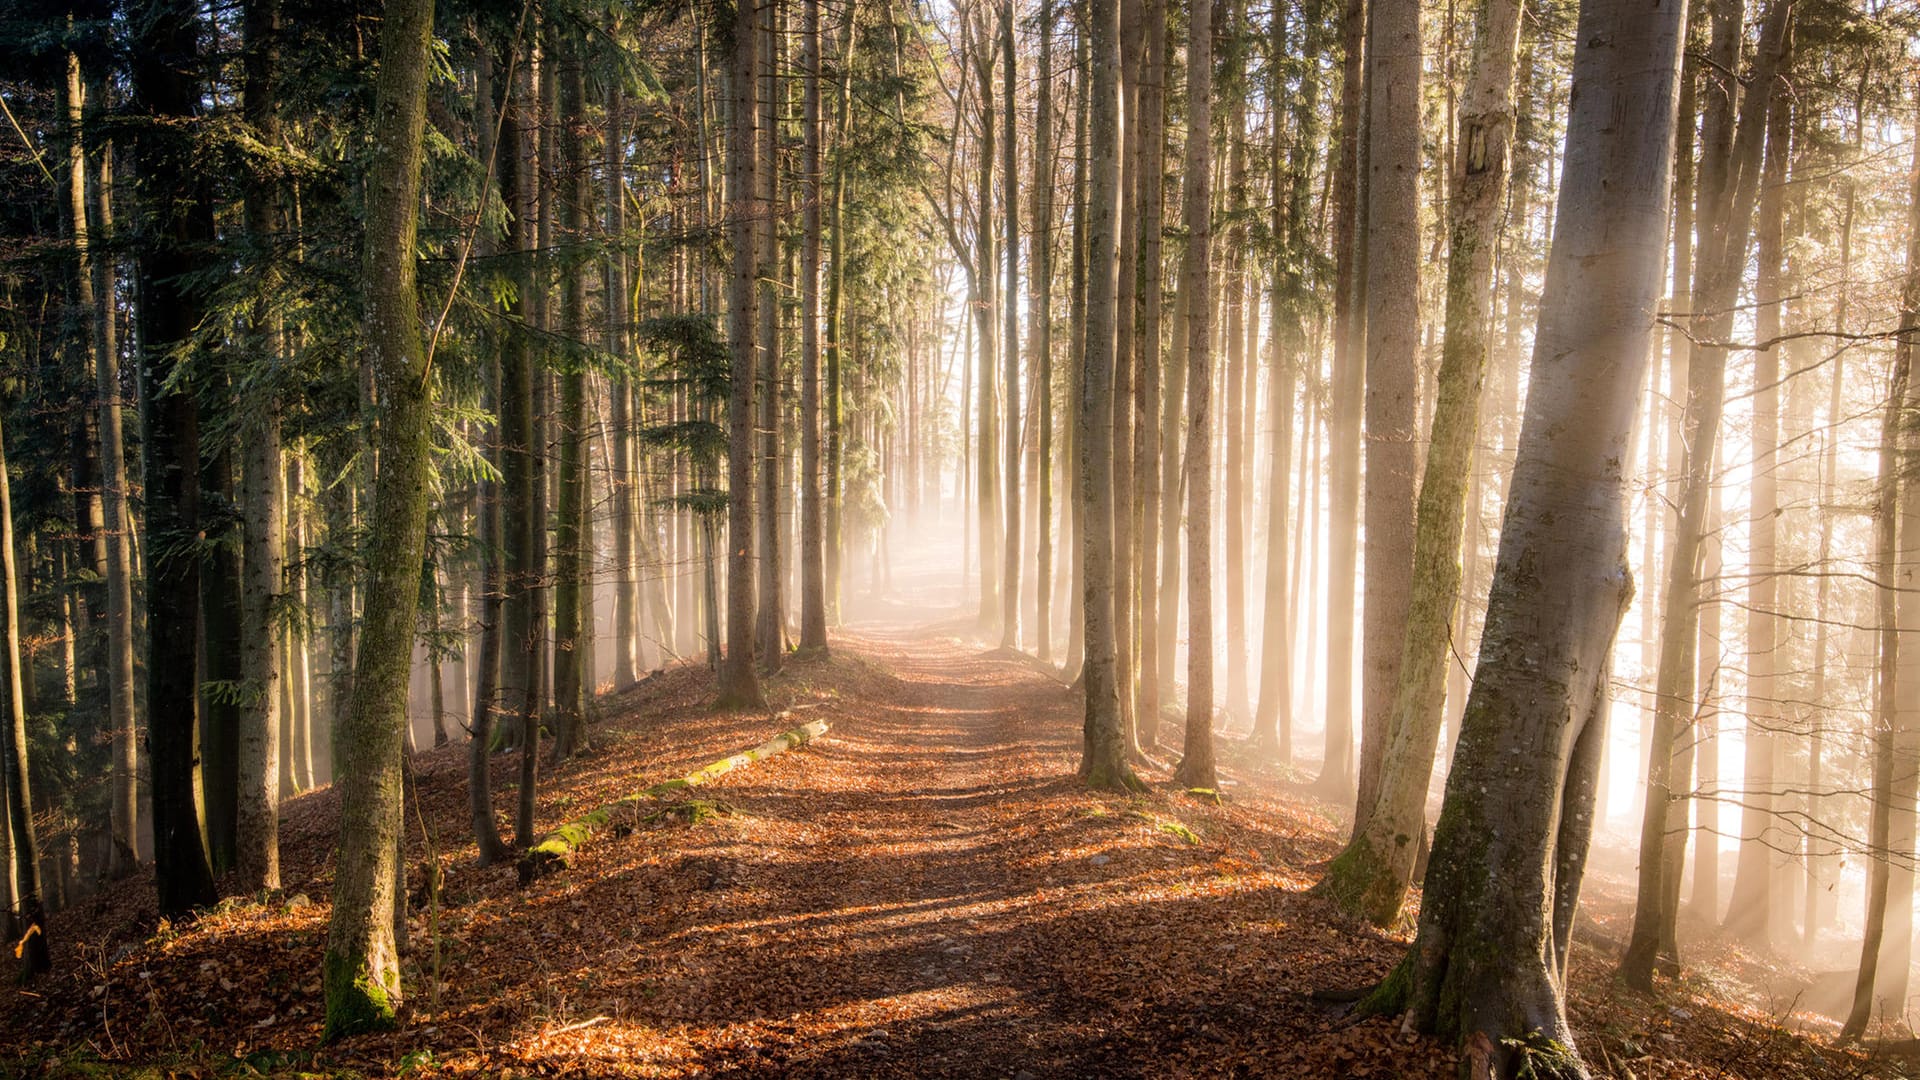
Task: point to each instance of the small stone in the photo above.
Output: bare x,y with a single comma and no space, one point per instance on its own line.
1678,1013
1101,860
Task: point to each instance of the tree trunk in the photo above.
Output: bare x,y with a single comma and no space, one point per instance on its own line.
1103,760
1010,339
1393,375
1196,763
1897,697
1489,963
770,623
1370,877
362,971
1722,261
813,579
1292,186
492,513
1148,480
1347,392
95,286
166,85
1040,334
1761,839
258,820
572,594
739,683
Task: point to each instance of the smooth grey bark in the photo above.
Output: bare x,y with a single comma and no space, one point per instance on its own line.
1347,393
1371,876
1488,966
1721,266
1291,192
629,549
1392,372
1196,763
361,971
1040,334
1148,480
1103,757
1896,761
1010,339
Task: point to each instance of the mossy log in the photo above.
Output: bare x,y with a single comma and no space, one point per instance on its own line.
551,853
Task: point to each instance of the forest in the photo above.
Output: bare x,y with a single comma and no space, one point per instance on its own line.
960,538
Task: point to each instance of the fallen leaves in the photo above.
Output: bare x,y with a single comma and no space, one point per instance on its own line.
926,892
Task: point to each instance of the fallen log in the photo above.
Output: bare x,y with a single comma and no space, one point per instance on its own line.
551,853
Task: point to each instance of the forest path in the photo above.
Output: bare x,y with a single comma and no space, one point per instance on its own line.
927,891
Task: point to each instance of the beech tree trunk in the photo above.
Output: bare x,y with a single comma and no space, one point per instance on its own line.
1010,340
1370,877
1882,977
1489,963
1722,261
1196,763
1347,393
1393,370
1103,759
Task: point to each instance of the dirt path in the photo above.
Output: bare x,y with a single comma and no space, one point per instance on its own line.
929,892
925,892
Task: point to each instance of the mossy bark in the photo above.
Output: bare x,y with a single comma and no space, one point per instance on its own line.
1386,839
1488,966
361,971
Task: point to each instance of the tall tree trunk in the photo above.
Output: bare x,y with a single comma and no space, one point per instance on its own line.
1896,723
739,683
1148,481
258,822
1393,374
1196,764
813,571
1347,392
1010,338
27,911
1761,840
622,481
1103,760
95,285
770,624
1723,258
1292,185
361,972
1040,333
1489,963
572,594
166,87
1370,877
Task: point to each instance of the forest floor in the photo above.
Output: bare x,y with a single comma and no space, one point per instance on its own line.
926,891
